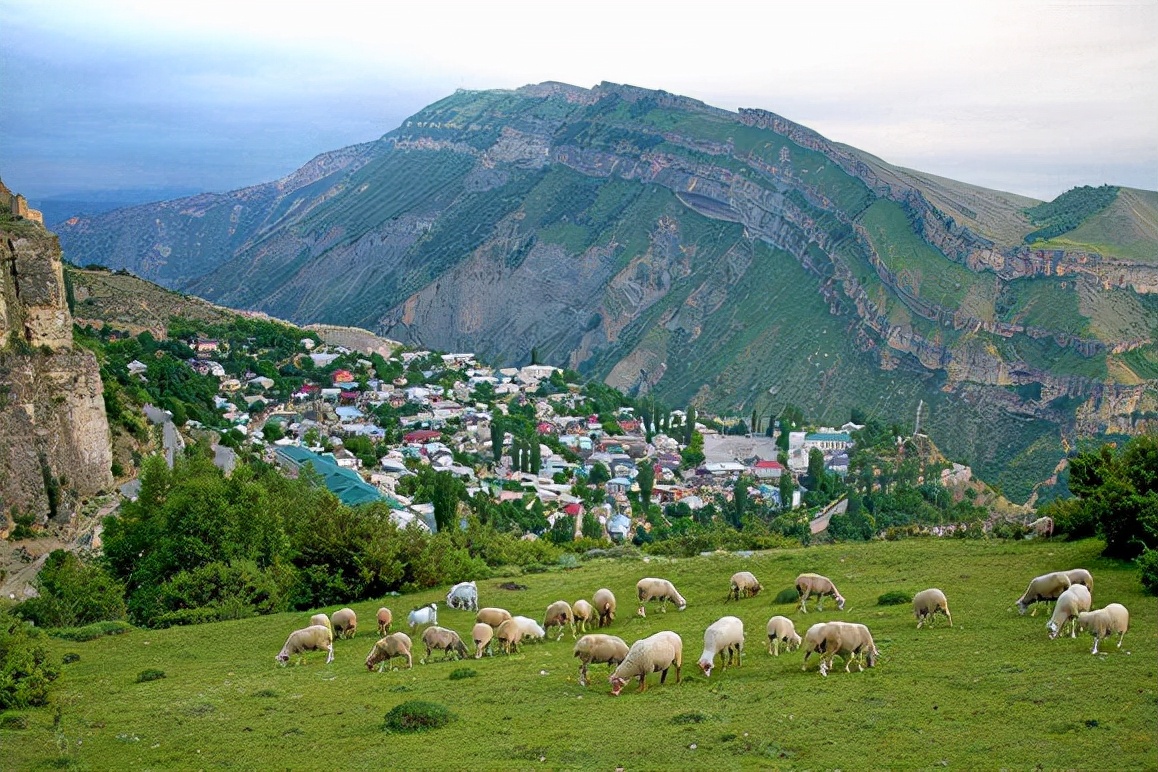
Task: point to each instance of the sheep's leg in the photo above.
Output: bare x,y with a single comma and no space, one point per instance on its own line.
804,602
677,667
949,617
582,673
642,682
1095,651
329,653
1120,637
662,676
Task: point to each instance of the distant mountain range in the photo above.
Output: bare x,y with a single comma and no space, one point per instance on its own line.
739,260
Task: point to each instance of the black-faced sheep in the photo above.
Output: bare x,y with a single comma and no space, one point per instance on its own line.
345,623
393,645
928,603
782,630
654,654
559,615
1104,622
444,640
385,619
584,613
744,585
492,616
815,584
596,648
1072,602
312,638
509,635
724,637
482,634
1046,587
650,588
604,602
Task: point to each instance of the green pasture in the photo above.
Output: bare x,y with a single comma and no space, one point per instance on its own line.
991,692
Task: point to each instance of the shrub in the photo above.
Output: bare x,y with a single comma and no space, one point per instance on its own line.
788,595
894,598
1148,565
73,592
417,716
152,674
26,674
1010,530
91,632
462,672
70,657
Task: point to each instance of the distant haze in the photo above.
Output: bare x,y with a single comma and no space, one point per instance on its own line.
1028,97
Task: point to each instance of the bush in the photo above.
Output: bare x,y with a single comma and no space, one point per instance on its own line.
417,716
152,674
789,595
73,592
91,632
70,657
1148,565
26,674
894,598
13,721
462,672
1010,530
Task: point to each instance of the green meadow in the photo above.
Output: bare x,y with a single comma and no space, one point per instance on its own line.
991,692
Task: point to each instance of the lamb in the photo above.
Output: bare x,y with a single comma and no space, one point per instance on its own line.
1104,622
345,623
1080,576
387,648
815,584
463,595
321,619
385,619
1044,587
529,628
927,603
1073,601
724,637
853,642
559,614
424,615
656,653
1043,526
444,640
604,602
584,613
492,616
509,635
744,585
312,638
661,590
598,648
781,629
482,634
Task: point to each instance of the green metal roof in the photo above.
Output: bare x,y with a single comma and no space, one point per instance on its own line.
344,483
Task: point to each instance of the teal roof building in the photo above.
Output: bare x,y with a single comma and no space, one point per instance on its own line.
344,483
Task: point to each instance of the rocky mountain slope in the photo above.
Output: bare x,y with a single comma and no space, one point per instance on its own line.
736,259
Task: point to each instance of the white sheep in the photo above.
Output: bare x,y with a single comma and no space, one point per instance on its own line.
385,619
559,615
345,623
441,639
656,653
604,602
584,613
1043,526
509,635
815,584
596,648
1080,576
463,595
1073,601
926,605
662,590
312,638
744,585
492,616
814,641
1043,588
321,619
482,635
1104,622
391,646
853,642
424,615
530,629
724,637
782,630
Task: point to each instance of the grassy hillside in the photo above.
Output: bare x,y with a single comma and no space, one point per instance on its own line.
1125,229
990,692
133,304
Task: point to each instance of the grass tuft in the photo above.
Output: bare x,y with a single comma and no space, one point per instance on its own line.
894,598
152,674
789,595
691,717
417,716
13,721
70,657
462,672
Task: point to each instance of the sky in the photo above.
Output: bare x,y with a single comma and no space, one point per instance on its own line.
172,97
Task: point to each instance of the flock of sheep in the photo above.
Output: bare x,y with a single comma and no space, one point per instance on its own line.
663,651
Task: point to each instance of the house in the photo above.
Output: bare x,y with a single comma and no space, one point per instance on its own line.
261,382
348,413
421,436
206,348
827,441
619,527
342,376
618,485
838,463
767,470
343,483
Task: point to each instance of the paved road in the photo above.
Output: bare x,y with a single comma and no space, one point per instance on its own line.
171,440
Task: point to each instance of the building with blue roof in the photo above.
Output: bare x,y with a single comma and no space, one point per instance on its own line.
346,484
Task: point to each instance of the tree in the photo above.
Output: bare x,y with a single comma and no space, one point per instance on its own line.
787,488
815,467
592,529
497,435
739,503
1119,491
599,474
445,500
534,456
690,428
535,360
646,480
72,592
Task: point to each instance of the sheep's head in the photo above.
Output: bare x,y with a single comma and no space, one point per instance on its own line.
870,657
1052,629
840,602
1022,607
682,605
793,642
706,668
617,685
282,658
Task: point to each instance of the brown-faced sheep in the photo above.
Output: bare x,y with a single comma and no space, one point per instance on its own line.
385,619
815,584
1080,576
441,639
1072,602
604,602
744,585
482,634
656,653
492,616
927,604
596,648
394,645
509,635
559,615
853,642
650,588
1043,588
724,637
782,630
584,612
1104,622
345,623
312,638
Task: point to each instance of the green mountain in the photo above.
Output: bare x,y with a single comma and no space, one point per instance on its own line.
739,260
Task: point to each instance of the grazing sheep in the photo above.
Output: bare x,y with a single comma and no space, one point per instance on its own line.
1043,526
656,653
1043,588
927,603
463,595
423,615
598,648
584,613
820,586
1073,601
661,590
814,641
386,649
345,623
492,616
744,585
312,638
604,602
1080,576
321,619
1104,622
529,628
781,629
559,614
853,642
385,619
444,640
482,634
509,635
724,637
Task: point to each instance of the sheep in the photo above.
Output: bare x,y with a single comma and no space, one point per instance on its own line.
814,641
724,637
345,623
492,616
312,638
744,585
423,615
482,634
927,603
321,619
1043,526
661,590
853,642
463,595
598,648
604,602
656,653
529,628
1044,587
509,635
1104,622
1072,602
559,614
444,640
385,619
391,646
815,584
584,613
1080,576
781,629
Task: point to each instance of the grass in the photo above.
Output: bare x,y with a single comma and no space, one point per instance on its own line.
992,691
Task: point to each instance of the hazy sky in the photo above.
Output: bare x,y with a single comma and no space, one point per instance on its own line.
1032,97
